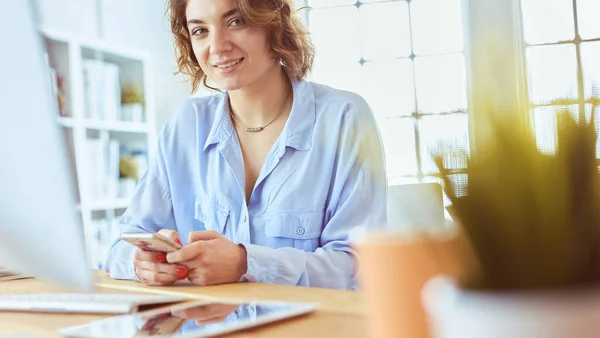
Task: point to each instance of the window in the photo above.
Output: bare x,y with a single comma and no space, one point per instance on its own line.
406,59
563,62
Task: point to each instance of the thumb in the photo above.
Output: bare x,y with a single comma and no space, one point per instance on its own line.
170,234
203,236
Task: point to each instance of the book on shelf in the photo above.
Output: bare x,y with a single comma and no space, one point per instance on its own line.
56,88
105,232
112,169
101,164
102,90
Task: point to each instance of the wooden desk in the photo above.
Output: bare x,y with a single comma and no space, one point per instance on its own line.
341,313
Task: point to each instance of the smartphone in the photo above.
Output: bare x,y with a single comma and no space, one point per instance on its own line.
149,241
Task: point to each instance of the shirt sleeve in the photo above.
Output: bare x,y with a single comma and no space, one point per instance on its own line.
150,210
359,201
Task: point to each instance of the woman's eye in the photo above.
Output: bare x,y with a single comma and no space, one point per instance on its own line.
236,22
199,31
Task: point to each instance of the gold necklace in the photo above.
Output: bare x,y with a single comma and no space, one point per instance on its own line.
257,129
253,129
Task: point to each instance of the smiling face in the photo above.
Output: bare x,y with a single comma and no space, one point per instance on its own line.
230,52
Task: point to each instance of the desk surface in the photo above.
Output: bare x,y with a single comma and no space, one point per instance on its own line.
341,313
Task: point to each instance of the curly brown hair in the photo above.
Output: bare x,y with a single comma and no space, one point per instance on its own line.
288,36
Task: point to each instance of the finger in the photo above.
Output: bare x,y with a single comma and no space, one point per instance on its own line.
195,236
171,234
150,256
149,277
210,311
203,312
187,253
198,277
214,320
172,269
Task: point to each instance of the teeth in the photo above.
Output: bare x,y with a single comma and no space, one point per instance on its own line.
233,63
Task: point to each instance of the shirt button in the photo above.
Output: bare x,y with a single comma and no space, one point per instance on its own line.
300,231
244,219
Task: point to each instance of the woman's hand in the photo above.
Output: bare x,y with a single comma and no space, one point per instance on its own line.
152,268
211,259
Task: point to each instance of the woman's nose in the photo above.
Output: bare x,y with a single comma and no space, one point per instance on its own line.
220,43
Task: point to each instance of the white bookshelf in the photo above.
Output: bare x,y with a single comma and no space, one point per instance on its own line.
100,192
116,203
128,127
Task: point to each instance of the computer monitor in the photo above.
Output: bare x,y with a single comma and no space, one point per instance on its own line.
40,230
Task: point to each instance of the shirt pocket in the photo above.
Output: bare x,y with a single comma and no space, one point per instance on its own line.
295,229
213,211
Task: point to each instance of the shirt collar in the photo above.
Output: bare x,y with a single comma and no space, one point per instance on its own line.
222,128
298,129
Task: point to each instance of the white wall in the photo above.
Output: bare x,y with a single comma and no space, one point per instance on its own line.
139,24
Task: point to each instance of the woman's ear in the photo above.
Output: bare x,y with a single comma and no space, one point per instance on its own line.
274,55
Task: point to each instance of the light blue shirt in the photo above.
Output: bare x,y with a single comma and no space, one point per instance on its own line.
323,177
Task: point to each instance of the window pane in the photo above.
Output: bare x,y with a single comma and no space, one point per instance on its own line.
552,72
346,76
440,83
446,135
548,20
403,180
590,63
389,87
372,1
588,12
588,115
437,26
458,181
335,33
544,126
399,143
330,3
385,30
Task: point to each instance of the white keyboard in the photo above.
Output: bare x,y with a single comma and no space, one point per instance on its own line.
82,303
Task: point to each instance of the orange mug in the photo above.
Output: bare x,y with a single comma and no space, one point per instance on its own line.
392,269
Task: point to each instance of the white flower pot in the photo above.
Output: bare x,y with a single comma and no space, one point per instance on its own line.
456,313
132,112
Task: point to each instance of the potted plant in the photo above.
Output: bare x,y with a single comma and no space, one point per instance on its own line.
532,220
132,103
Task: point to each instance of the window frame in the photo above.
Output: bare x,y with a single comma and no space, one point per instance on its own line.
416,116
581,101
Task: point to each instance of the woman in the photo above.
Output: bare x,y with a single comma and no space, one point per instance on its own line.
265,181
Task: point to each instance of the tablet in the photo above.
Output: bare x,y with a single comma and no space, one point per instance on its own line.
199,318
